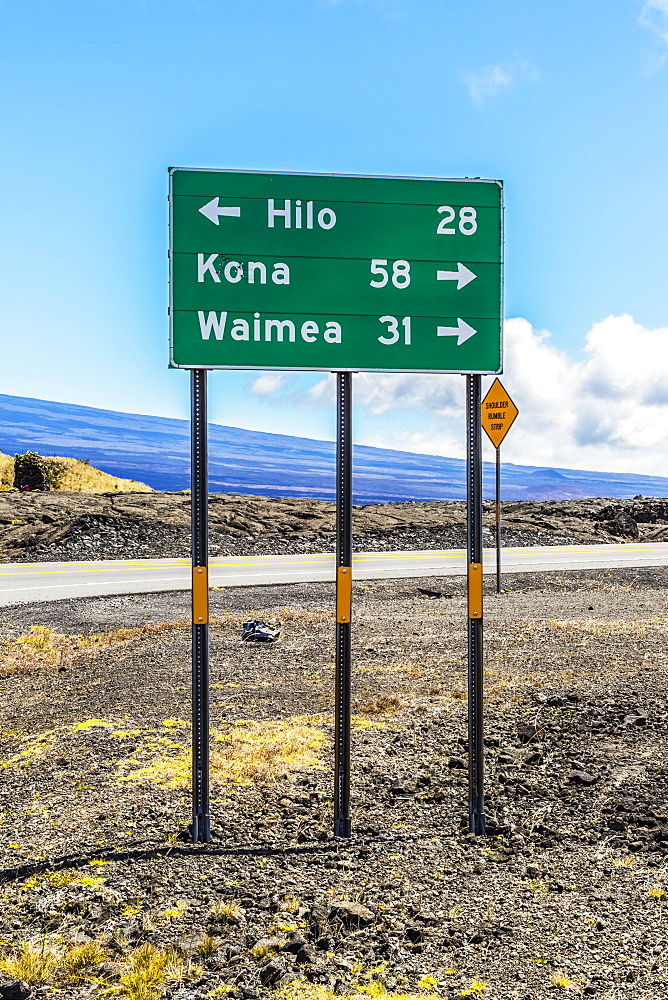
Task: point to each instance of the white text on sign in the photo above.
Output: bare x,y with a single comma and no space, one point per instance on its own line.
468,221
234,271
283,330
326,217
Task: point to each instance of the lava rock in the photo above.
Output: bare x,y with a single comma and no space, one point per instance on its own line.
526,732
457,763
415,934
623,526
286,979
306,955
189,943
295,943
402,789
271,972
350,914
15,989
270,943
582,778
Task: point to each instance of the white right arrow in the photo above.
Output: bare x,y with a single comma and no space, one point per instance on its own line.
462,331
212,211
462,276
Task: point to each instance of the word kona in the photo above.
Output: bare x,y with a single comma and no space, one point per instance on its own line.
283,329
233,270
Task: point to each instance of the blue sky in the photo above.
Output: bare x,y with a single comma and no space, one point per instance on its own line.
566,102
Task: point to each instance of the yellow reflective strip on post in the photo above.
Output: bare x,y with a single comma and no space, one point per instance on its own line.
344,593
475,590
200,595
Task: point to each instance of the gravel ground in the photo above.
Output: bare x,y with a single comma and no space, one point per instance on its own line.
564,895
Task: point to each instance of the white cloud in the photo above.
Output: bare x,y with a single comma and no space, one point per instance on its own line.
323,393
606,409
654,16
381,393
265,385
489,81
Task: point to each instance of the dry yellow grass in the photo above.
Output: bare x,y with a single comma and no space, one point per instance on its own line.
44,648
63,879
247,754
80,960
597,626
6,472
150,970
79,477
33,962
386,704
140,975
562,982
73,476
302,989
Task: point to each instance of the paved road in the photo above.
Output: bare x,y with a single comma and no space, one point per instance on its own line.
29,582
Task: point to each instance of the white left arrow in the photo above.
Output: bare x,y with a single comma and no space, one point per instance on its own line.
462,331
213,212
462,276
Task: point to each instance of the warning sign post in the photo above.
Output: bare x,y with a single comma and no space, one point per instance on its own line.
498,413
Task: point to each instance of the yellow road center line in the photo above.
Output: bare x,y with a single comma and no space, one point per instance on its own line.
521,554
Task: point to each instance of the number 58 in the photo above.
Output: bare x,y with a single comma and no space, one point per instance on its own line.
401,273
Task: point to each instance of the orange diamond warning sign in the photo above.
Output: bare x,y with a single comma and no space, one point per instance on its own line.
498,413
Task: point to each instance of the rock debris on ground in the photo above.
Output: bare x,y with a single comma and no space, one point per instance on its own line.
53,526
566,895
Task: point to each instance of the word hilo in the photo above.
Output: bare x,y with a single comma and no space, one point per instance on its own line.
302,216
284,330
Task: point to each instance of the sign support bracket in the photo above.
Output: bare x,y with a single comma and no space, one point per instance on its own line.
344,554
475,616
201,822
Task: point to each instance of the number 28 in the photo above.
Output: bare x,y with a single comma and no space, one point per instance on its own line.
467,221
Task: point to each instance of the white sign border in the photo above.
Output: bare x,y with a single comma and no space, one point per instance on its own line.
291,368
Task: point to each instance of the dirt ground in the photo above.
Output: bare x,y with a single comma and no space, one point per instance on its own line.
567,894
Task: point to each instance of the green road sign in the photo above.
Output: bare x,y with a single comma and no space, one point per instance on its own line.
335,273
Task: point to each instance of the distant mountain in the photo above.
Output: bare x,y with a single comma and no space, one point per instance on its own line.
156,451
548,474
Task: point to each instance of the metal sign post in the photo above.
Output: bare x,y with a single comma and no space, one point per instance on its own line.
475,632
497,518
344,558
200,607
323,272
498,413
